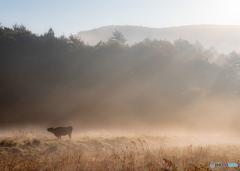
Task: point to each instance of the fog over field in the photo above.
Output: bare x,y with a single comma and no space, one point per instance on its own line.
178,86
120,85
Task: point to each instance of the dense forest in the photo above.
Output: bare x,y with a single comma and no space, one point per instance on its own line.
43,77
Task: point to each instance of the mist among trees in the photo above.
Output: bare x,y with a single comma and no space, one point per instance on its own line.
43,77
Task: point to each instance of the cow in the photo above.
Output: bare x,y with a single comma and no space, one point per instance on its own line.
60,131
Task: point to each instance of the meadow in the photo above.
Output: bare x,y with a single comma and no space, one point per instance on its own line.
49,80
26,150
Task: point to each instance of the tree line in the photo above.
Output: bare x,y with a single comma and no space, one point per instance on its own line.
32,65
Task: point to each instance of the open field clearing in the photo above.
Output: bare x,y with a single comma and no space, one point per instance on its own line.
119,86
26,151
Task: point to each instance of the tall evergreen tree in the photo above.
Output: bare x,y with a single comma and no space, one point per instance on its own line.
118,37
49,34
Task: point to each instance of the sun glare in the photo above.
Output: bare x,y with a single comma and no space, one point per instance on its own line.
223,12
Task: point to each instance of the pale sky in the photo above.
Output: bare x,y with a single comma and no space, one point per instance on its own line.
71,16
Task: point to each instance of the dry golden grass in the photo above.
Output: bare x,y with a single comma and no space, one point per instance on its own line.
23,151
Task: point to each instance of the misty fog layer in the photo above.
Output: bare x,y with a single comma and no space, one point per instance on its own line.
48,81
224,38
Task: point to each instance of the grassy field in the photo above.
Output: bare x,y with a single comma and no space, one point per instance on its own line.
24,150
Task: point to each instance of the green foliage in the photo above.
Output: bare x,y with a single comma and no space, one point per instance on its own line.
49,34
75,43
32,66
233,71
118,37
19,28
233,65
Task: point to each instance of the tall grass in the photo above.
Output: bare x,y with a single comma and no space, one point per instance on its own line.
111,153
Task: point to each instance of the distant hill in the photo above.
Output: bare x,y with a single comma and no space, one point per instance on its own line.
223,37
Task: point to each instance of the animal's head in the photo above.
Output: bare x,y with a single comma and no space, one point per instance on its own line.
50,129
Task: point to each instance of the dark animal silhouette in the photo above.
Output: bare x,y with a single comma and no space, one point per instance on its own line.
60,131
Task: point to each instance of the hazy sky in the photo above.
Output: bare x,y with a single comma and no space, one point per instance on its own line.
71,16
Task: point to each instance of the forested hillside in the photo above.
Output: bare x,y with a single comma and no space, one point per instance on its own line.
224,38
48,79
